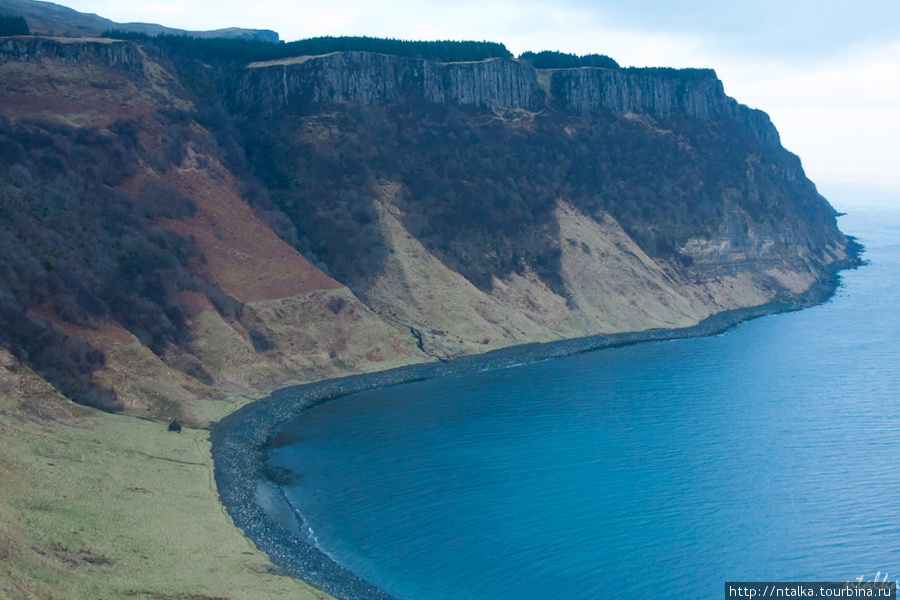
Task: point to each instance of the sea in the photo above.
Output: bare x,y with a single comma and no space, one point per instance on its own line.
769,453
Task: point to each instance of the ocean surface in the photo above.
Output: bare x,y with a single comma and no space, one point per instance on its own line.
768,453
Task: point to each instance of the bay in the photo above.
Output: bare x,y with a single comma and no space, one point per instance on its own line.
767,453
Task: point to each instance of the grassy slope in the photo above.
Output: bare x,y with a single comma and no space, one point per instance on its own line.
98,506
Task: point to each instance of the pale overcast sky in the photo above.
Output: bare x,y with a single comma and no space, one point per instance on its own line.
826,71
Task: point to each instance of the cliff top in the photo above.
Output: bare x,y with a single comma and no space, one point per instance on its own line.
296,60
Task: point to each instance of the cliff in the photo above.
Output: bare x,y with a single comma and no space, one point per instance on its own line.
662,93
294,85
558,203
184,233
698,184
110,53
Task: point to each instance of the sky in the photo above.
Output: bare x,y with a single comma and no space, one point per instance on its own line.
826,71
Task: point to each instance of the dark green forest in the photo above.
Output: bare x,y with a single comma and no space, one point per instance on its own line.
246,51
548,59
13,25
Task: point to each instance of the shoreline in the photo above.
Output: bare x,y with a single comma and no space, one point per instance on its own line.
239,441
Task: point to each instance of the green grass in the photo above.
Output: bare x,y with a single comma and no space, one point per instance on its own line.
107,506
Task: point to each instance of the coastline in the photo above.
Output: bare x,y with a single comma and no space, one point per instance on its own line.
239,441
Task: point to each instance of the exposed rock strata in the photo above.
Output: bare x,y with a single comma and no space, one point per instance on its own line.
294,85
661,93
366,78
110,53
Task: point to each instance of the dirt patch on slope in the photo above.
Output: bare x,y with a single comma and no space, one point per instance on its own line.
614,284
452,316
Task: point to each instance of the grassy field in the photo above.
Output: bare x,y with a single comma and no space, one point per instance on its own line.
98,506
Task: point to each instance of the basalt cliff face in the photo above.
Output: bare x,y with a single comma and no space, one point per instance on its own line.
109,53
296,85
662,93
322,215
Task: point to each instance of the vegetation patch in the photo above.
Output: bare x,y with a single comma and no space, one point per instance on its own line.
80,247
246,51
96,506
13,25
480,192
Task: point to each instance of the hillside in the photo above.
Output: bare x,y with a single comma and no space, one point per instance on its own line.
47,18
189,225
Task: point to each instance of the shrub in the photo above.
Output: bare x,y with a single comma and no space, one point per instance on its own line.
259,341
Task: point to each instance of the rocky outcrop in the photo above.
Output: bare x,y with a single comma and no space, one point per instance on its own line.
293,85
660,93
365,78
110,53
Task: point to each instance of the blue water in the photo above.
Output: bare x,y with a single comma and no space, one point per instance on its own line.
768,453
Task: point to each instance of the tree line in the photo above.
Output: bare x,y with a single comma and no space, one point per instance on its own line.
548,59
245,51
13,25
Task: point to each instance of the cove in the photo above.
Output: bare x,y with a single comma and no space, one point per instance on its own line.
769,459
